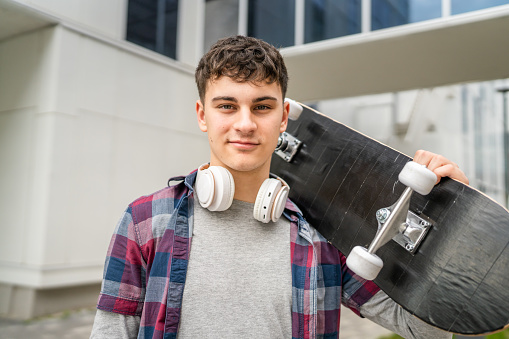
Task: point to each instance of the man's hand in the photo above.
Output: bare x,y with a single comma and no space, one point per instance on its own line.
440,165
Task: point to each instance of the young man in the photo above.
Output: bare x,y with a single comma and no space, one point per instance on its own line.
241,277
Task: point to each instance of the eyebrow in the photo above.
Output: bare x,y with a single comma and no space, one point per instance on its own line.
227,98
264,98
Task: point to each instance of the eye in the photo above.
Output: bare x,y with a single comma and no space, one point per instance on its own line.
262,107
225,107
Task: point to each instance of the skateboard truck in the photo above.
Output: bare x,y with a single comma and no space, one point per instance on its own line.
287,146
396,222
407,229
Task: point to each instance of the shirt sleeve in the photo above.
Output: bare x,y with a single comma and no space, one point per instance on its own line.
384,311
114,325
123,285
356,290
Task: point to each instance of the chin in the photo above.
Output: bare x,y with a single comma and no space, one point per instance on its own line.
244,162
245,166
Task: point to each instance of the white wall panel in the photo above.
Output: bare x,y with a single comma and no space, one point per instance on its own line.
60,226
16,130
20,68
97,71
142,88
38,199
105,17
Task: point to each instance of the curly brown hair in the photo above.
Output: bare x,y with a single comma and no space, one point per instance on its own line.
243,59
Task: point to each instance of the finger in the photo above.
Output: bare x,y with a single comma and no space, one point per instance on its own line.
424,157
439,161
421,157
440,165
431,160
452,171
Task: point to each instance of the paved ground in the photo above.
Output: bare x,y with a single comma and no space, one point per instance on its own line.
78,324
66,325
354,327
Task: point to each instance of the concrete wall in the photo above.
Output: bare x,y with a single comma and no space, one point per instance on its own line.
105,17
86,126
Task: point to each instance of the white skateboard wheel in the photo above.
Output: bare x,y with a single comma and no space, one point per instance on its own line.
295,109
417,177
363,263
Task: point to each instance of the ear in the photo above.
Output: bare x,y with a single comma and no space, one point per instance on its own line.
200,114
284,121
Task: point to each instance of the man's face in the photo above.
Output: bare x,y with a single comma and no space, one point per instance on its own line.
243,121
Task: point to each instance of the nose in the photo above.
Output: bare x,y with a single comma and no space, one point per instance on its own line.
245,121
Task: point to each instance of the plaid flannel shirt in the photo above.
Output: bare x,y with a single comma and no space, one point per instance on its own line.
146,265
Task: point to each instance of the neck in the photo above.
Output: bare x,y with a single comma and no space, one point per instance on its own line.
247,184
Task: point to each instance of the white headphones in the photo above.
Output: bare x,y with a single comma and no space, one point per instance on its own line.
215,188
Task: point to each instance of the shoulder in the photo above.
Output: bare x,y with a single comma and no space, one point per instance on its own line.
307,235
142,208
295,215
329,255
163,201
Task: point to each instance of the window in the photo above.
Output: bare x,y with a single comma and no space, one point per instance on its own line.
272,21
462,6
326,19
389,13
153,25
421,10
221,20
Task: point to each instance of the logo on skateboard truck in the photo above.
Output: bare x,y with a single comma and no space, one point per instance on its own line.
396,222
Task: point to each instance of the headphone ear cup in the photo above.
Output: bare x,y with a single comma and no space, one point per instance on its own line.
215,187
204,186
224,189
259,200
265,200
279,203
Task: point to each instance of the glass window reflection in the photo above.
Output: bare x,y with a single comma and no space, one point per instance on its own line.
272,21
153,25
221,20
421,10
326,19
463,6
390,13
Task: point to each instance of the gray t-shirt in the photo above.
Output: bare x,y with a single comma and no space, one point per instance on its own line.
239,277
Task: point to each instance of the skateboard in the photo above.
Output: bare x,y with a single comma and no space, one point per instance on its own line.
445,255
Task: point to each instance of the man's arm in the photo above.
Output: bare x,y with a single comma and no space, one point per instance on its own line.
123,288
387,313
114,325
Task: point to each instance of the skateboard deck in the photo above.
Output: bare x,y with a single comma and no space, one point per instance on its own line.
458,277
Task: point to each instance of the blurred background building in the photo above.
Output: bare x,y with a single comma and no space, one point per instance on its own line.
97,108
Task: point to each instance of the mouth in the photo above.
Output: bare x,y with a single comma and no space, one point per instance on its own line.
244,144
